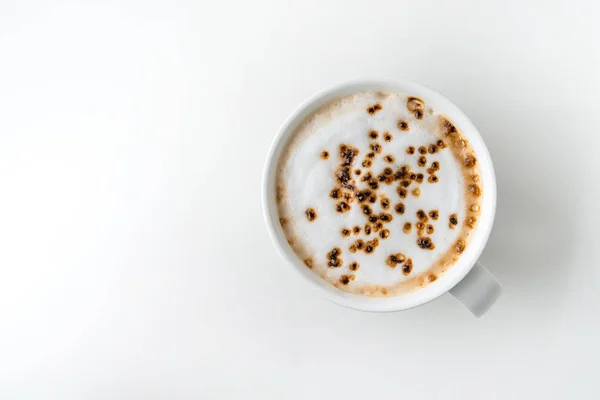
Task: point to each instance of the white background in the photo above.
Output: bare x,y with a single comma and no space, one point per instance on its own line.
134,260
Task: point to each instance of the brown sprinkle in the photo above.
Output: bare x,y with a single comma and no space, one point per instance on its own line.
475,190
360,243
434,214
356,230
345,279
441,144
352,248
416,192
410,150
420,178
308,262
432,149
345,232
407,228
470,161
402,125
399,208
384,234
459,246
354,266
471,221
373,134
374,108
425,243
357,171
422,161
432,179
407,267
429,229
395,259
324,154
422,150
389,158
422,215
402,192
311,214
367,230
453,220
385,203
387,137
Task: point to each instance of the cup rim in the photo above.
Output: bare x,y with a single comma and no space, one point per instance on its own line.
415,298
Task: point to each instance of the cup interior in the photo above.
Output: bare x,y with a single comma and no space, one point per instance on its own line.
479,237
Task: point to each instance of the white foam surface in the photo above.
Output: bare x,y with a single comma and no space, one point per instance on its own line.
309,179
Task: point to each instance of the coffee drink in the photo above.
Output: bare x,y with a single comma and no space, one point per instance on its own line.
378,194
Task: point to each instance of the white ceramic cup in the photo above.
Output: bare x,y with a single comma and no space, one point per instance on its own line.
467,280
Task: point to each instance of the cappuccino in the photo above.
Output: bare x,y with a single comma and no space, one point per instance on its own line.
378,194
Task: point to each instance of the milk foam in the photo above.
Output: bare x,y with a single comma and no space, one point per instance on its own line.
305,180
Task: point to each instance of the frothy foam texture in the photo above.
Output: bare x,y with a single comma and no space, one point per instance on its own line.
378,194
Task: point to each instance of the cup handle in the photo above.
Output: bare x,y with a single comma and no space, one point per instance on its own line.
478,291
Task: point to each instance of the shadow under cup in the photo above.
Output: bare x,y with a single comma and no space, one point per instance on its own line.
479,237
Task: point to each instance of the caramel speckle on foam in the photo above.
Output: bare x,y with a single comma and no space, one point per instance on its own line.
402,192
416,192
389,158
425,243
345,279
311,214
431,278
308,262
371,245
447,126
356,230
419,178
432,179
402,125
470,161
410,150
405,183
429,229
459,247
434,214
422,150
475,178
388,171
367,210
422,161
373,134
416,106
420,227
367,163
475,190
342,207
394,259
335,194
385,217
471,221
407,228
385,203
345,232
407,267
400,208
422,216
332,256
384,234
357,172
441,144
352,248
374,108
376,147
360,244
432,149
324,154
435,166
453,220
367,229
354,266
387,137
